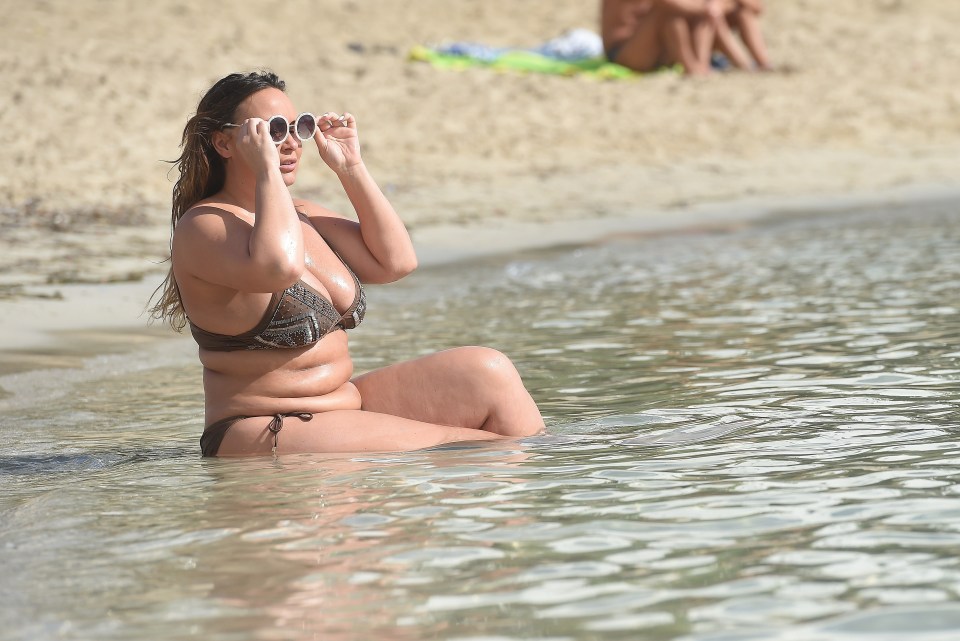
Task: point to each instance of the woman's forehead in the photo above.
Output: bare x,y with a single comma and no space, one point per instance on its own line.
266,103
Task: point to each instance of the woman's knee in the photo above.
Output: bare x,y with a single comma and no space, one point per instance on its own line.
496,390
489,363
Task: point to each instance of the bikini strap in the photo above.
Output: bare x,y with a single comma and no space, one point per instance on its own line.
276,424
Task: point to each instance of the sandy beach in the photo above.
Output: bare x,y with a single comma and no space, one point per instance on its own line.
867,108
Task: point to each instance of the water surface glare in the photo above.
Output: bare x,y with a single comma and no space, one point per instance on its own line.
752,435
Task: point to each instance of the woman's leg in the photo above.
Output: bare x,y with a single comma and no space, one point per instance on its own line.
747,21
643,51
462,394
469,387
704,36
682,39
727,42
341,431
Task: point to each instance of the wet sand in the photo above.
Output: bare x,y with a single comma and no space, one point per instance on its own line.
475,161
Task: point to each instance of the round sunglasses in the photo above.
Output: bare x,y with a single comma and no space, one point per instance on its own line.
304,127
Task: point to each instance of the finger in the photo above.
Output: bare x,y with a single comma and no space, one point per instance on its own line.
325,121
263,130
347,120
332,120
323,125
252,127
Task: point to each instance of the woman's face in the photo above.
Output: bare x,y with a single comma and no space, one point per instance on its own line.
271,102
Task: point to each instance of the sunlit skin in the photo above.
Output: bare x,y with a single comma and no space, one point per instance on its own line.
744,16
233,250
648,34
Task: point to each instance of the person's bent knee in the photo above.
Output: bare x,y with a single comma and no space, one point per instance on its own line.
513,412
483,357
494,364
496,385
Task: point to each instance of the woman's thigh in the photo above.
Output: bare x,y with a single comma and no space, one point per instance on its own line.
644,50
472,387
341,431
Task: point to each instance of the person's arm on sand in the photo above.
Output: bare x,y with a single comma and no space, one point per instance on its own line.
378,247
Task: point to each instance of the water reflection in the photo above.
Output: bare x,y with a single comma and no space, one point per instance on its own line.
751,436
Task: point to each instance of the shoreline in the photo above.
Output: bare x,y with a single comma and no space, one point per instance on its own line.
447,243
59,326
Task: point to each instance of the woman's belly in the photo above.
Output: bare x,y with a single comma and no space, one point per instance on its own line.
271,381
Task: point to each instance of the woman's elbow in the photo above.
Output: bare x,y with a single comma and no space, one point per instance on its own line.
280,274
395,269
407,266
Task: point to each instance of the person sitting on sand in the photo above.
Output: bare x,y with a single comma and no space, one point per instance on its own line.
645,35
648,34
270,284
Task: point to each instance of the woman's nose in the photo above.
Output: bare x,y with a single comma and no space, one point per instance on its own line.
290,142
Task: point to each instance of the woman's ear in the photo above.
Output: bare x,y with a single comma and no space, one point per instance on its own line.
223,143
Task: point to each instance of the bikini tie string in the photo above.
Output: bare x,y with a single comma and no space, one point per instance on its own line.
276,424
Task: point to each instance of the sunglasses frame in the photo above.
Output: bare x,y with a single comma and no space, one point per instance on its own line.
291,127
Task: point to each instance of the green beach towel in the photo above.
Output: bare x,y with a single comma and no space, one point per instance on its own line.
518,60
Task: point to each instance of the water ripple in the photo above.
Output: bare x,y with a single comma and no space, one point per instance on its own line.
751,436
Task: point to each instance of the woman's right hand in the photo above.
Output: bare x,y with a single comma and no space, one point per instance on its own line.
255,146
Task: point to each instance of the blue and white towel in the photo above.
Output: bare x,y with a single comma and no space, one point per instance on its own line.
570,46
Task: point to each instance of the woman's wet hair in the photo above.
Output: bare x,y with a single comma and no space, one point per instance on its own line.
202,169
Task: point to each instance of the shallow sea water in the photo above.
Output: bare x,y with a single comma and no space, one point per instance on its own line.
751,435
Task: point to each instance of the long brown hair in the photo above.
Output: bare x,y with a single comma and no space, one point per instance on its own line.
202,170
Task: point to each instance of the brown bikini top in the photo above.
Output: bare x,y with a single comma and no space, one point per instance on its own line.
298,316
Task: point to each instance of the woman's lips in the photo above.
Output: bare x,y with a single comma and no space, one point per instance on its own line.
288,165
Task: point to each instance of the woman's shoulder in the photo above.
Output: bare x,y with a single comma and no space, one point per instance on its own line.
212,217
217,208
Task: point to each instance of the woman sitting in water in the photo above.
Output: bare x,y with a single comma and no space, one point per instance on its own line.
269,284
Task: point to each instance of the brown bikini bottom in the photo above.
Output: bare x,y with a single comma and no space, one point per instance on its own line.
213,434
613,51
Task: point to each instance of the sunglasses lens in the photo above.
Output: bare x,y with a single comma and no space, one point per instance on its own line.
279,129
306,126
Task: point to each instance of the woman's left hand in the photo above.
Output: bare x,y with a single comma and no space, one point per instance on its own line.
337,140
